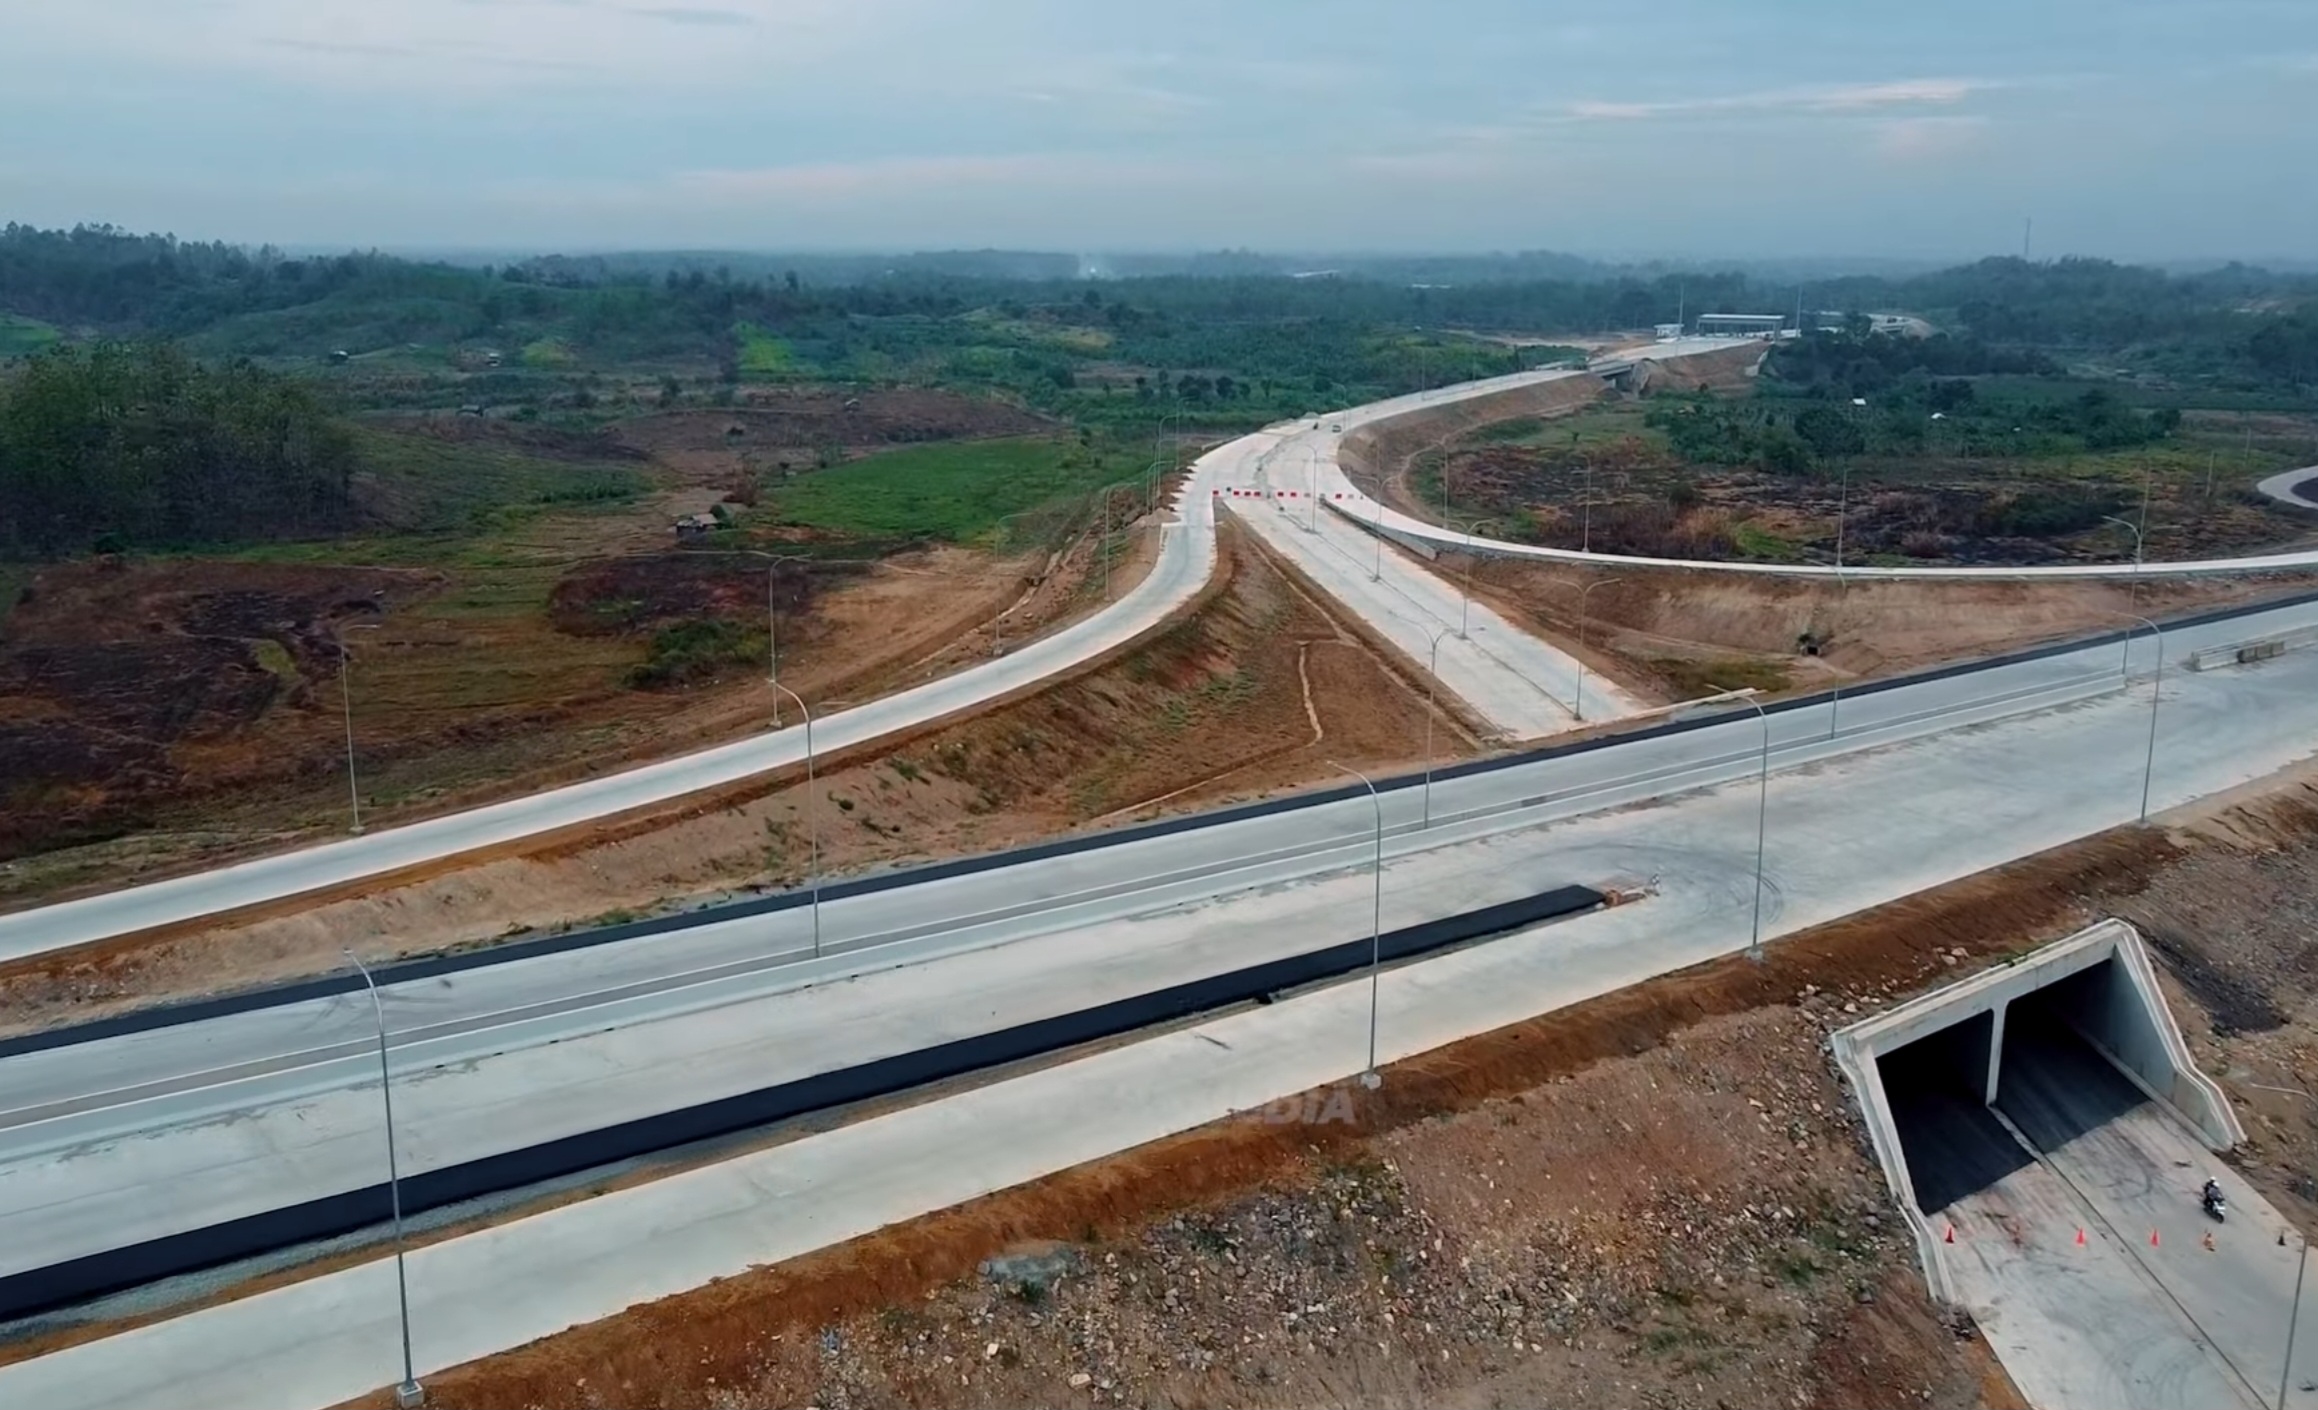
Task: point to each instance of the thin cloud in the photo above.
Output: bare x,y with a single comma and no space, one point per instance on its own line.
1929,138
879,176
686,14
1845,98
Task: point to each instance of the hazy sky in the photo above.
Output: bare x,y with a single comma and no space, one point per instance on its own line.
1919,128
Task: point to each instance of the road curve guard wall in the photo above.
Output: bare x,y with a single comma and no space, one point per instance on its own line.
2098,983
87,1277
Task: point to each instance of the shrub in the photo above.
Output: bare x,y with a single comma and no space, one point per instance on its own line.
695,651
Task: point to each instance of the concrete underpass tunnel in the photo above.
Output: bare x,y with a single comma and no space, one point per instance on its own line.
1938,1089
1983,1077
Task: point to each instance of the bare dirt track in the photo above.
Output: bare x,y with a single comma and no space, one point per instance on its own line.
1246,695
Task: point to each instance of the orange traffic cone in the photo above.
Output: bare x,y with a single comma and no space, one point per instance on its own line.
1951,1238
2152,1238
2080,1238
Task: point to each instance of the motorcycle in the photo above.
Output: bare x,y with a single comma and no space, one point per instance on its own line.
2216,1207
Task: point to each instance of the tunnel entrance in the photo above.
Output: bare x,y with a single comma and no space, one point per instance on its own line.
1937,1091
2052,1083
1976,1081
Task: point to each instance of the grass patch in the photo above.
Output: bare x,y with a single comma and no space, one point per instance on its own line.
698,651
1691,677
276,659
1508,432
550,353
955,492
21,337
423,483
1756,542
761,352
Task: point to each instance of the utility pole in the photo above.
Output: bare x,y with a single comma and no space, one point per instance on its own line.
812,812
408,1393
1369,1078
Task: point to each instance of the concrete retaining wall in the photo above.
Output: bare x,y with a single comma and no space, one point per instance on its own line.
2099,982
2262,648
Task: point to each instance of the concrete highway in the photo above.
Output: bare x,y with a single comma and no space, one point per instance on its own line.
1519,685
2144,1311
86,1130
242,1114
1848,826
1523,687
1186,559
1337,492
2286,487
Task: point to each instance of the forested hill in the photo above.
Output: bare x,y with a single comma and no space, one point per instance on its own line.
2235,321
113,445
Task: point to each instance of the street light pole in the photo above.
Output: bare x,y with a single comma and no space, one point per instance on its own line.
346,700
1465,607
2156,690
1376,574
1843,496
409,1393
812,814
1578,706
1432,679
1369,1078
2293,1319
1762,818
2113,519
1586,534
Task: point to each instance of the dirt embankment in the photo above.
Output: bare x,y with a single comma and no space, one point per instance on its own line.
1246,695
1663,631
113,679
194,710
1660,1197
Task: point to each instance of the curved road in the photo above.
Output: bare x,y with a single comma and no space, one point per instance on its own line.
2289,487
1186,559
1336,490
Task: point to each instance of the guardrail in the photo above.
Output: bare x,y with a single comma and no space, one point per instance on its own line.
95,1274
2247,652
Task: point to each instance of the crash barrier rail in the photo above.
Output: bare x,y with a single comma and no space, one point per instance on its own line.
2245,653
95,1274
434,966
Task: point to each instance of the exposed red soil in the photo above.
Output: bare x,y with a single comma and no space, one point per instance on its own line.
1656,630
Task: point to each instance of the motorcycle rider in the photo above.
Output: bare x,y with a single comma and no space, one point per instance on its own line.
2212,1194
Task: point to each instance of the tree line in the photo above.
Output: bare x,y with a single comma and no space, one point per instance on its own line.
913,316
114,445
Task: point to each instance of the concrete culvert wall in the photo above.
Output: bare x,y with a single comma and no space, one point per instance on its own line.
1966,1085
1936,1089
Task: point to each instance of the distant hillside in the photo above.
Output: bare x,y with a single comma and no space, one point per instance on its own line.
1032,325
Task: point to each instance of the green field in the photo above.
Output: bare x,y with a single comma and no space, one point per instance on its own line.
549,353
761,352
954,492
422,484
22,336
